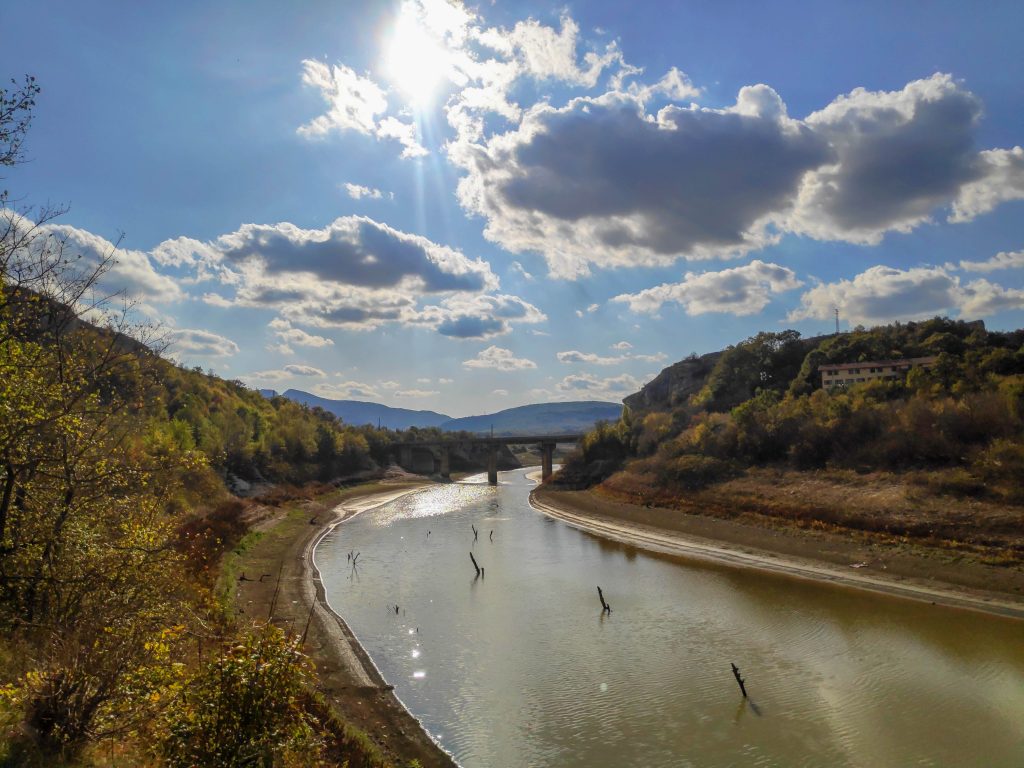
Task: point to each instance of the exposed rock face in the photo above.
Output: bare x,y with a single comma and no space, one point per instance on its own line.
674,385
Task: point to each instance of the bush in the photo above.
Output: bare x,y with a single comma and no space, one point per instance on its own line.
245,708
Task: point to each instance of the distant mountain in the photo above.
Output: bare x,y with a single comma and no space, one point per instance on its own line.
541,419
270,394
357,412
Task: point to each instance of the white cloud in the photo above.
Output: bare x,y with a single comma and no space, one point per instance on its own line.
517,267
549,54
622,345
480,317
416,393
1002,260
301,338
303,370
884,294
500,359
981,298
612,387
500,392
347,390
603,182
353,101
281,348
573,356
446,381
358,192
404,133
353,104
1000,179
128,272
200,343
741,291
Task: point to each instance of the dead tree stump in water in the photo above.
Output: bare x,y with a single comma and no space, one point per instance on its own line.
475,532
478,571
739,679
605,608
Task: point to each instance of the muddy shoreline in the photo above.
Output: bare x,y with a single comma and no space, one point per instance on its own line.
842,561
347,676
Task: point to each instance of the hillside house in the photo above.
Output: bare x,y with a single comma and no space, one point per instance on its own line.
844,374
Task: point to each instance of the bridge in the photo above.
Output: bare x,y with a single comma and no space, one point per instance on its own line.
442,462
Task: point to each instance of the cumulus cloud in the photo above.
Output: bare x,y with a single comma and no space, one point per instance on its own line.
622,345
200,343
1002,260
358,192
480,317
303,370
612,387
604,182
301,338
354,250
500,359
601,182
898,156
884,294
500,392
347,390
353,103
358,274
127,272
742,290
1000,178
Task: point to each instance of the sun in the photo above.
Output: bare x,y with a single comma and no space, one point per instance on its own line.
415,60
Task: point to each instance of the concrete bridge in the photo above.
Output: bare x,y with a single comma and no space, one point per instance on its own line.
440,451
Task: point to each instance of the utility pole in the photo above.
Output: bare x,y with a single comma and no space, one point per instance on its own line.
836,310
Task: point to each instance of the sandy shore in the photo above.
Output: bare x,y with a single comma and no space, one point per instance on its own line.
846,563
347,675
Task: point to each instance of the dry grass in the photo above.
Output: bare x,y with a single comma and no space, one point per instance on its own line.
900,508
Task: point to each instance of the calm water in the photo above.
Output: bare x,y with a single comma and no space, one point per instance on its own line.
519,668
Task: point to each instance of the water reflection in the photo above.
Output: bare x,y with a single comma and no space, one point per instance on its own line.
521,666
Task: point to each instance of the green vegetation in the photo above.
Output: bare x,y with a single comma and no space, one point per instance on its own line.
114,521
959,425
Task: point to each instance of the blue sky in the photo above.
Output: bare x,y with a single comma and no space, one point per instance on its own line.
466,208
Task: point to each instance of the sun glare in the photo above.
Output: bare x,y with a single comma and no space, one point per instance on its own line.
416,61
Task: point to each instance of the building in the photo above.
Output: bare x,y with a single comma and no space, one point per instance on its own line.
844,374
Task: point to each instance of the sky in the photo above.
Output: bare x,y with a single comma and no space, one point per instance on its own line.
466,208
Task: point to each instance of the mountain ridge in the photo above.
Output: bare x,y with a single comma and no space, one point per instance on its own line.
534,418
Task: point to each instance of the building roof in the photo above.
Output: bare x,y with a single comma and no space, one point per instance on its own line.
878,363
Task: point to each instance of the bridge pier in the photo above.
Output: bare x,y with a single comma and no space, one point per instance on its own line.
546,452
446,462
405,457
492,465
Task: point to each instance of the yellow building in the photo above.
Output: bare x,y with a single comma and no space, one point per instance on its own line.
844,374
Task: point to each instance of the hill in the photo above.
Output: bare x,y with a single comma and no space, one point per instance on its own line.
540,419
358,412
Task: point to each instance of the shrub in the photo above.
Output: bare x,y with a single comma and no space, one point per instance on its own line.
245,708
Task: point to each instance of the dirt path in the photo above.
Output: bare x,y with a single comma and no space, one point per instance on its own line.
930,577
347,676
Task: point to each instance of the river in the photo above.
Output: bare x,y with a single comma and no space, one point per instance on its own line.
521,668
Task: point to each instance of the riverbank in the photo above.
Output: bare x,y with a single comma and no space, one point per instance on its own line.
934,576
347,677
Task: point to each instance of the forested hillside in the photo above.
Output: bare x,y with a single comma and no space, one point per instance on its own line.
760,403
115,513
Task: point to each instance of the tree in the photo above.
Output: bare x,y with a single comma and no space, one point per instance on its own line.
87,570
